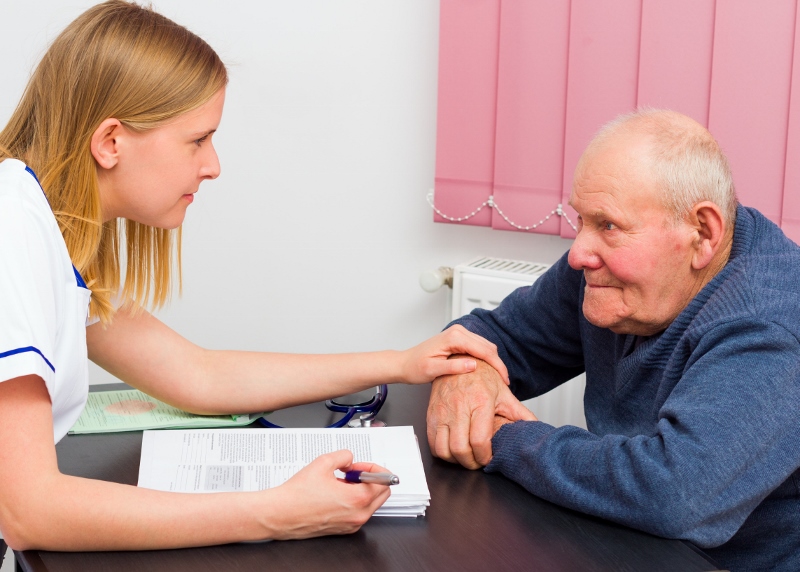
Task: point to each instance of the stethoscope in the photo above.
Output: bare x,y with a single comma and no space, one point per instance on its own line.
368,410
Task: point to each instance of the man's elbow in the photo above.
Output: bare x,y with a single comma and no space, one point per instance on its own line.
703,530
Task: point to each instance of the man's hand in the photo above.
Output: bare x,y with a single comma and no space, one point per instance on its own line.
431,359
462,411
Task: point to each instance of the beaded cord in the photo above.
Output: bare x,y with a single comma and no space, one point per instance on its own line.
491,204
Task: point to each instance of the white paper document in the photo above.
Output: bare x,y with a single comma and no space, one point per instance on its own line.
224,460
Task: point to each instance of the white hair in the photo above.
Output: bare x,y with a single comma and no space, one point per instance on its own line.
688,163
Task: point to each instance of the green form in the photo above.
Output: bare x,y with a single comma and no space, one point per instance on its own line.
132,410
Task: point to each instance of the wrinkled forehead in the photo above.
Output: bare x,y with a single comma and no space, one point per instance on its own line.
623,160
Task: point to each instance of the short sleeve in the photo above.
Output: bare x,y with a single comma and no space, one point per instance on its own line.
28,290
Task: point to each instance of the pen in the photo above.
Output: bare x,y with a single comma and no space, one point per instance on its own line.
375,478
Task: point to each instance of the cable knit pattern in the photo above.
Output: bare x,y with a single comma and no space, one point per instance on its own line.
693,433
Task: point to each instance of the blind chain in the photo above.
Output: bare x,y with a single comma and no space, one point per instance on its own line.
490,202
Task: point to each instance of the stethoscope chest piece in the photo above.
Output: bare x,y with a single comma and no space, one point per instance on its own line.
365,421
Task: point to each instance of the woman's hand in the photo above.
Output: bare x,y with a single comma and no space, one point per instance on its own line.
432,358
315,503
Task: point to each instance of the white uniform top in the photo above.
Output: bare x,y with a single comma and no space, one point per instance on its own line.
43,300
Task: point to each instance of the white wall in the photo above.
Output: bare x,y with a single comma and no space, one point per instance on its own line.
313,238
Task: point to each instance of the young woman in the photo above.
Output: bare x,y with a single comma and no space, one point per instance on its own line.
117,123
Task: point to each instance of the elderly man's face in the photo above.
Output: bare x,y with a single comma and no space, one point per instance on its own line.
636,261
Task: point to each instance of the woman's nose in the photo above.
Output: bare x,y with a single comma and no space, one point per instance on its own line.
211,167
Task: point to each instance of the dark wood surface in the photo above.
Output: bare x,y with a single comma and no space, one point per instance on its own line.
476,521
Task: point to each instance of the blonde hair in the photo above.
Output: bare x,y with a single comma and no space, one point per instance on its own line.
116,60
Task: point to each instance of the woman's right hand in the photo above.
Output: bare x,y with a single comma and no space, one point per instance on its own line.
316,503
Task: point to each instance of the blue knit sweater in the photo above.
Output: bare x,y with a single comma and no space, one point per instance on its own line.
693,433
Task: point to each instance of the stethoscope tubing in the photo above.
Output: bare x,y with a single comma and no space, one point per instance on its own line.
372,407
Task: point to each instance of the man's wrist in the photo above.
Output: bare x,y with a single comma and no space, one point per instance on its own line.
499,423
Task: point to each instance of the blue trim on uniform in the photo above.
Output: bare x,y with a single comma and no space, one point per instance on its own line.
78,277
28,349
34,176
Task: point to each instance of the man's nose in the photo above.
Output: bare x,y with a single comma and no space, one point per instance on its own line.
582,254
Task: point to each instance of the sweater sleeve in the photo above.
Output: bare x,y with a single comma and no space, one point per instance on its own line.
536,332
725,438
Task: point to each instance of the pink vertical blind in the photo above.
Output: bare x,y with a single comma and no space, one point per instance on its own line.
790,216
465,123
531,102
524,84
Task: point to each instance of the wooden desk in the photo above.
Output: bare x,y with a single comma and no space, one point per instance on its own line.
476,521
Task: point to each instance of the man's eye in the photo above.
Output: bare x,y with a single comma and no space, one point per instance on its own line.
609,226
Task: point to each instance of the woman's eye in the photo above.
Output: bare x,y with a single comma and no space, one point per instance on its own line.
200,141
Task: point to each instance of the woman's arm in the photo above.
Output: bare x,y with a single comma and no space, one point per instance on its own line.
42,509
144,352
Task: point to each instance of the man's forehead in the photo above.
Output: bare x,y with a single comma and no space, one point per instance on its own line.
597,206
613,181
621,142
617,158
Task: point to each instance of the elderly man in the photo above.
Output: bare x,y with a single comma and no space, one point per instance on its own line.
683,310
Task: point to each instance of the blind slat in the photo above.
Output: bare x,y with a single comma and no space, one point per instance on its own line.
790,215
603,76
749,109
467,101
531,105
675,56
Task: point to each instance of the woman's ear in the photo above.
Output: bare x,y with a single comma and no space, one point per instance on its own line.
710,226
104,143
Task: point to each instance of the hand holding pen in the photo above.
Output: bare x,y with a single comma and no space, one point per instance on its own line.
372,478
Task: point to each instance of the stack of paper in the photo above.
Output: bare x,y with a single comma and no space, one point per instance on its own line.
216,460
132,410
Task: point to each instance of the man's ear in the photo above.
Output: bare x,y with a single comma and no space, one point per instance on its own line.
105,149
709,225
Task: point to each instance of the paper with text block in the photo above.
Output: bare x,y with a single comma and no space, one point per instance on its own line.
220,460
132,410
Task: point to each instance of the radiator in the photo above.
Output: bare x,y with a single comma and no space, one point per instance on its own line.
483,283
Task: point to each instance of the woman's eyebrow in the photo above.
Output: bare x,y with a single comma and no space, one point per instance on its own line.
200,134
